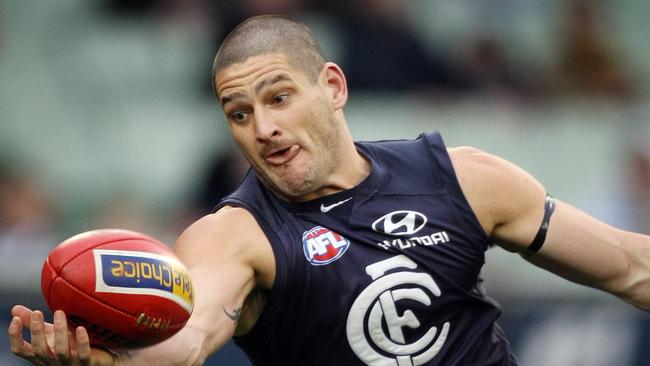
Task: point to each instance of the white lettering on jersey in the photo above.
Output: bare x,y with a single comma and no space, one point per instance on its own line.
437,238
378,302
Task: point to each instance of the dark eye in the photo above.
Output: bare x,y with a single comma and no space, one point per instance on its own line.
239,116
280,98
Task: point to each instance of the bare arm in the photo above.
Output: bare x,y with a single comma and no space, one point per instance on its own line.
509,203
227,256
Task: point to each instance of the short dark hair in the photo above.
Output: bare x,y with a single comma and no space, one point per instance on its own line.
271,34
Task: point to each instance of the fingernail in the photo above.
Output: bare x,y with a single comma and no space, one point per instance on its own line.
58,317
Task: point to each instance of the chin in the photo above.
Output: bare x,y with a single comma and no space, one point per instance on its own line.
294,183
297,188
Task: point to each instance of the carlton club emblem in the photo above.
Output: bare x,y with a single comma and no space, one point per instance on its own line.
376,306
323,246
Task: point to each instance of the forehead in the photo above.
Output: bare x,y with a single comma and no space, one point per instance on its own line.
249,72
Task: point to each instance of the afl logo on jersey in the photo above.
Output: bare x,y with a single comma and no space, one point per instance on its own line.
322,245
400,223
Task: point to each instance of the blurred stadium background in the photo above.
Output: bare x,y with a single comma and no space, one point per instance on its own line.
107,119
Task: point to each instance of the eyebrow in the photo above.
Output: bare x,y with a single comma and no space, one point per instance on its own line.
270,81
263,84
230,97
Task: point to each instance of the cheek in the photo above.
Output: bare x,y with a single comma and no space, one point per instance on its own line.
322,125
243,140
309,111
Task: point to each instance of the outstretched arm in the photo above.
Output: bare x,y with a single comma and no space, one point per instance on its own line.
509,203
227,256
587,251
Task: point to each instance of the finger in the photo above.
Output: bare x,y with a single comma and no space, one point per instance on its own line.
83,346
25,314
61,345
39,343
16,342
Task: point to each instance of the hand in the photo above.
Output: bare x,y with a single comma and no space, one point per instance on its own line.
53,344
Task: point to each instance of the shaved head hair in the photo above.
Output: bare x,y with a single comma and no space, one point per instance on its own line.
266,34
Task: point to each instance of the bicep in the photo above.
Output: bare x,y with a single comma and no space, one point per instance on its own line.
509,203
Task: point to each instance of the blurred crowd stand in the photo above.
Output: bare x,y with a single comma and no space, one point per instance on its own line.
28,222
381,50
386,57
639,173
590,61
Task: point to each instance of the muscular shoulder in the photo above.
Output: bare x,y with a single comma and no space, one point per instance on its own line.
230,235
506,199
488,174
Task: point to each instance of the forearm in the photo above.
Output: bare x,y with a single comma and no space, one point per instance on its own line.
602,257
585,250
635,288
186,348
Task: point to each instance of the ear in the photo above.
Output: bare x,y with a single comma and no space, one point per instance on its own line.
334,80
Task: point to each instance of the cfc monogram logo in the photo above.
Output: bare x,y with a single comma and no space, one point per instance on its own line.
377,304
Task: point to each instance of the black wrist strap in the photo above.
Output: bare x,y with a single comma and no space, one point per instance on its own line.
536,245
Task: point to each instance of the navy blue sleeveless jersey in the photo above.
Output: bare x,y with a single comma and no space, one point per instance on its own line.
385,273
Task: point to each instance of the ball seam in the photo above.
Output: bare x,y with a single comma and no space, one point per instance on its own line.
103,243
80,291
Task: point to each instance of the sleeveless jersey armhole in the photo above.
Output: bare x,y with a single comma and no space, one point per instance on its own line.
281,265
438,151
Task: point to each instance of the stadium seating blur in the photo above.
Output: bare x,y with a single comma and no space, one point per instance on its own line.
106,107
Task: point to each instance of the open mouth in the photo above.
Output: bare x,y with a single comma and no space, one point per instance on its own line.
282,156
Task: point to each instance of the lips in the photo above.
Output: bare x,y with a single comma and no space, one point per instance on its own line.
282,155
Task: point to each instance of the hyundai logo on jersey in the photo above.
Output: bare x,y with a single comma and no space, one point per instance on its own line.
400,223
322,245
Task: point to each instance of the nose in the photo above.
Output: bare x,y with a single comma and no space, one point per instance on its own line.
265,126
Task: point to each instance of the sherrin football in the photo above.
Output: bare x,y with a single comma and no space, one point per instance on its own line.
127,288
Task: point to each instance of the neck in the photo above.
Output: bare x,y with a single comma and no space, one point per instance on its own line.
351,171
348,169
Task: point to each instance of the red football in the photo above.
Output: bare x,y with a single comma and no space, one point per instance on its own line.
126,288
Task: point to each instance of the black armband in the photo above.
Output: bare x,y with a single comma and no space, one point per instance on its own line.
536,245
